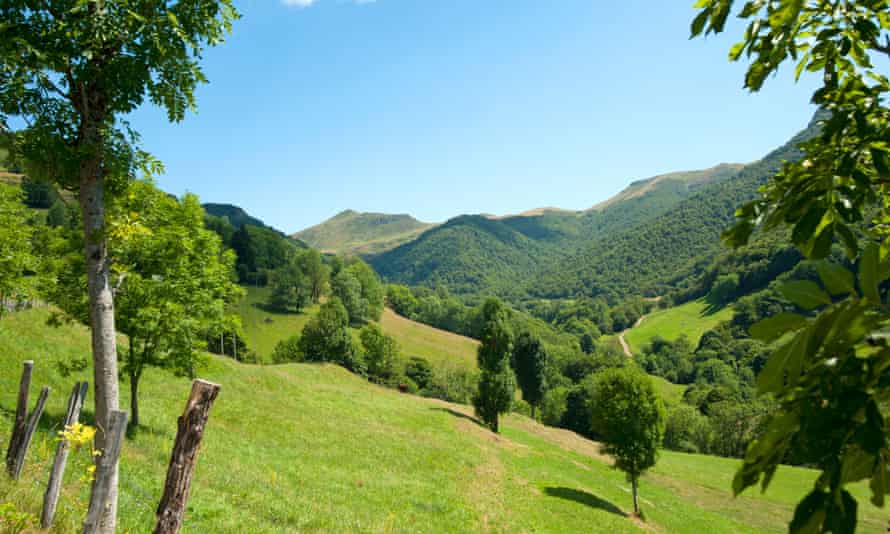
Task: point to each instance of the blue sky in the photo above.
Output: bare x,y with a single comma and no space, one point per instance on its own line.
442,107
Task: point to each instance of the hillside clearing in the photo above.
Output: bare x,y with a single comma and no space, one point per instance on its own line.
691,319
313,448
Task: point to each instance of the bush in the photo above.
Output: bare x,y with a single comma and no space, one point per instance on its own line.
452,385
554,406
687,429
522,408
287,350
419,371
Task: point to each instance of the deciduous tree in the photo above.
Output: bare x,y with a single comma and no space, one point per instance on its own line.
15,247
497,383
72,71
629,417
831,372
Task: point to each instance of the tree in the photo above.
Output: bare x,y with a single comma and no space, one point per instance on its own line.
287,350
57,215
348,289
317,273
174,282
494,395
381,352
530,364
15,247
326,338
829,373
630,418
71,71
290,288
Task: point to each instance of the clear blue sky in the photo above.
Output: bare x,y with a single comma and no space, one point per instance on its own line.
442,107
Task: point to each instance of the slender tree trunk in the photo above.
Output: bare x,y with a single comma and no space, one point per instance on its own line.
134,400
633,483
533,412
101,304
494,423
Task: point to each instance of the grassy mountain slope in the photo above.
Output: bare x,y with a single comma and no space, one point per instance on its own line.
264,329
314,449
481,254
351,232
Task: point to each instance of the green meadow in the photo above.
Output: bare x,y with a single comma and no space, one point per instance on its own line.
312,448
691,319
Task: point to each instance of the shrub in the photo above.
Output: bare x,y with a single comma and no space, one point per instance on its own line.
287,350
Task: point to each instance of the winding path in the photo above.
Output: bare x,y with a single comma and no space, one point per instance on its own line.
624,346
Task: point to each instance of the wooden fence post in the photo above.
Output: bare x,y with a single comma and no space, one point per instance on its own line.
185,453
54,486
24,440
21,414
105,466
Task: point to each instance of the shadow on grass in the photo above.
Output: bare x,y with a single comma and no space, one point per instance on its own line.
712,307
585,498
455,413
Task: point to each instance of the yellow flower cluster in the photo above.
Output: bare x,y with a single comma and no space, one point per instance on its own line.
78,435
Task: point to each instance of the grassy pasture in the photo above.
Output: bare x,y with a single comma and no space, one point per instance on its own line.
312,448
692,319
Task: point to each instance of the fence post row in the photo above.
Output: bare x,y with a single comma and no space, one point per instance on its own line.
54,486
105,466
185,453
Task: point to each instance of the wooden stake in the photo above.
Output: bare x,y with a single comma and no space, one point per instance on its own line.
25,440
21,414
185,453
54,486
106,466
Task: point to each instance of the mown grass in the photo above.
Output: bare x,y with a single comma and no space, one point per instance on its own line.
307,448
691,319
263,329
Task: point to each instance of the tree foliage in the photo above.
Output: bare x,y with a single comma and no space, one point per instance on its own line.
15,248
530,363
326,338
829,373
381,353
629,416
496,381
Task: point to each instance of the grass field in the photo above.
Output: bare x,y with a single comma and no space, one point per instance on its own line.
264,329
692,319
313,448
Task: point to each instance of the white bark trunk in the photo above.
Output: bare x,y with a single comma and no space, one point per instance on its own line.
101,305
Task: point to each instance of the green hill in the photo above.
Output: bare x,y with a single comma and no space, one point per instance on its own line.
691,319
475,254
313,448
351,232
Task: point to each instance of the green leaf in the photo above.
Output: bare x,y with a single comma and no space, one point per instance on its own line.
774,327
804,293
698,24
837,279
784,365
809,514
868,273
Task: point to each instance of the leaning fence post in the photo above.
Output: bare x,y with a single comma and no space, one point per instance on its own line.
24,440
105,466
54,486
185,453
21,415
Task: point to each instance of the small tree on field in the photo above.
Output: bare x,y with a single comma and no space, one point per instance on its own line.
326,338
496,381
174,282
530,364
381,352
630,418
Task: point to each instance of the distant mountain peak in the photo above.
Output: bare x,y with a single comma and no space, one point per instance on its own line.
354,232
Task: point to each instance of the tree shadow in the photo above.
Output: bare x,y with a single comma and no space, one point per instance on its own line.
455,413
585,498
712,307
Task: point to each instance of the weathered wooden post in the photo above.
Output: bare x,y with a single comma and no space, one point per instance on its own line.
21,415
25,439
51,497
185,453
105,466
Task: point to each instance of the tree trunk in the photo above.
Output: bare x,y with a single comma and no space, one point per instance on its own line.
633,483
134,400
494,423
101,305
106,474
533,412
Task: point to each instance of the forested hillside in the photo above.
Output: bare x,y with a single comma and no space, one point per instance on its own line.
351,232
663,227
477,254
